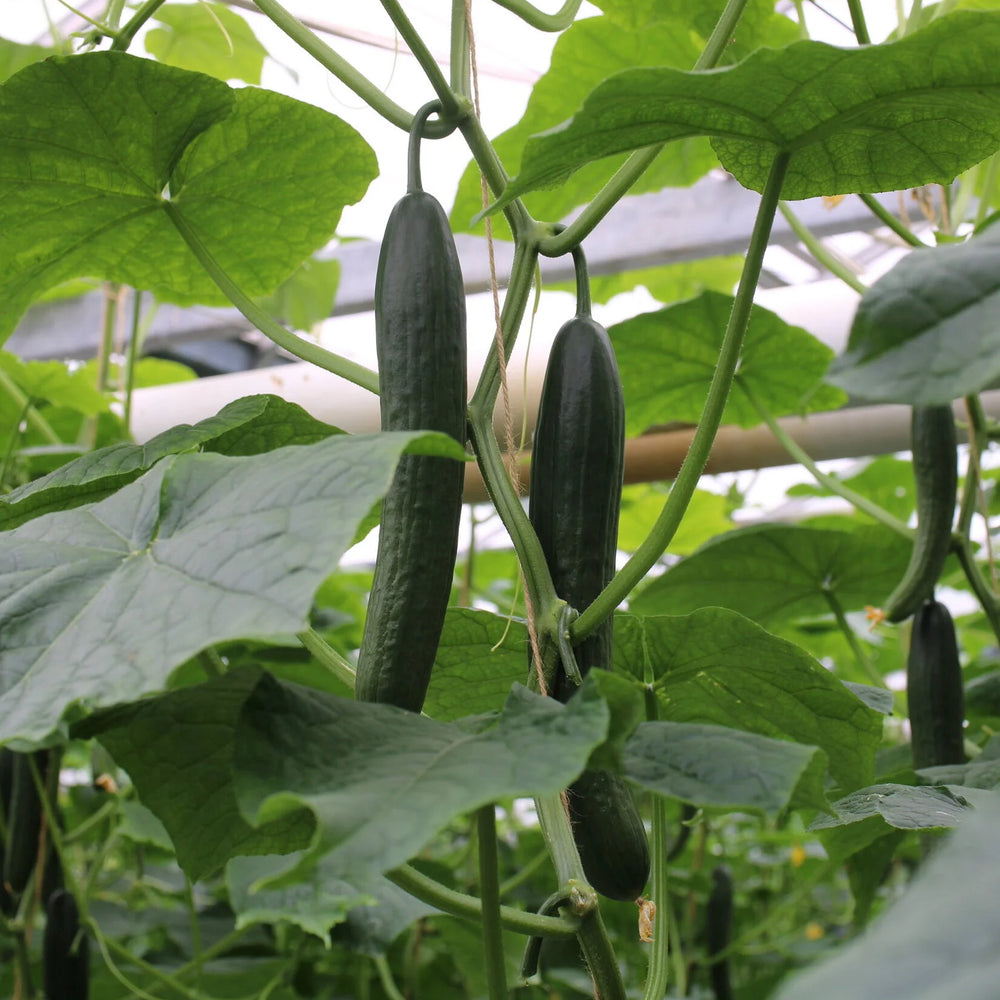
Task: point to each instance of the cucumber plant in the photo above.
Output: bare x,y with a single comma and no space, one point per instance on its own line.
283,778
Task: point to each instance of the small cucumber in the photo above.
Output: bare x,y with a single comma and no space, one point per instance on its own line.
65,950
719,930
421,344
577,465
934,690
935,474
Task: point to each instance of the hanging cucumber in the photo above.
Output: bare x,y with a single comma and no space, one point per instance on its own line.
24,822
65,950
577,464
420,339
935,474
719,930
934,690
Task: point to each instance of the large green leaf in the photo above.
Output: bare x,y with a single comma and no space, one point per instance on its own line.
713,766
98,605
208,37
15,56
585,54
928,331
247,426
782,365
320,901
53,382
178,751
781,572
714,666
927,110
479,656
936,943
870,813
381,781
260,177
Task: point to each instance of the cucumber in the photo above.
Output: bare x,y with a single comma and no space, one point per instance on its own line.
421,344
934,690
719,930
65,950
577,465
24,823
935,473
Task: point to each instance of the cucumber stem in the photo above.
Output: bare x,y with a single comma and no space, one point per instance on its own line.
413,184
458,904
298,346
557,21
582,283
655,544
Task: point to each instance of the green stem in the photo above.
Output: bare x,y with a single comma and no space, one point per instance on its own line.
639,161
496,177
558,21
658,977
449,99
858,20
978,442
15,436
524,873
13,391
514,303
123,37
338,66
459,904
832,483
538,580
559,838
131,355
896,225
823,256
328,656
655,544
301,348
489,892
979,584
166,980
392,991
860,656
600,957
460,77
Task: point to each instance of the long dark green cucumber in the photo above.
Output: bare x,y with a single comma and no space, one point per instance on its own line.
935,474
24,823
577,465
420,338
719,930
934,691
65,950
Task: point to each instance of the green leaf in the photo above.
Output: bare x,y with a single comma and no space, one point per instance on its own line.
319,900
706,517
178,750
927,111
781,364
99,604
14,56
587,52
937,942
53,382
869,813
382,781
260,177
141,826
718,767
780,572
885,480
758,25
928,331
248,426
306,298
714,666
866,871
469,676
209,38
